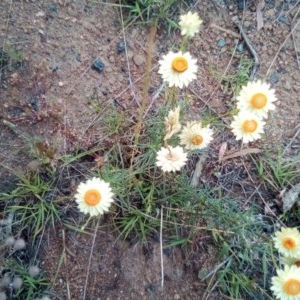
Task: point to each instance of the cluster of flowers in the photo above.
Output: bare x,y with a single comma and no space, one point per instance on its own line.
95,196
254,102
193,136
286,285
179,69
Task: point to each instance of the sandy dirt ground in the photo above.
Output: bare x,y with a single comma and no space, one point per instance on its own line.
47,89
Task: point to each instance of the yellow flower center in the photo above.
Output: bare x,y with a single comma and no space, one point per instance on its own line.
250,126
179,64
197,140
259,100
92,197
289,243
292,287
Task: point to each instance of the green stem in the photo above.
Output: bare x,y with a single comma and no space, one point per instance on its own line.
183,44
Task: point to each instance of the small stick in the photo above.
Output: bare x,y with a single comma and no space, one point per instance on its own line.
249,45
213,25
161,248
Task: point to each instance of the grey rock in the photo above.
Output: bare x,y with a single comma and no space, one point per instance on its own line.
98,65
274,78
221,43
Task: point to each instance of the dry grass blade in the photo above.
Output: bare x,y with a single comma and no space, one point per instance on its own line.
259,14
282,45
296,40
291,197
242,152
90,260
222,151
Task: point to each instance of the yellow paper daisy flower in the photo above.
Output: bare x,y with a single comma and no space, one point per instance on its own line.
190,24
287,242
171,159
247,127
94,197
178,69
286,285
172,123
194,136
256,98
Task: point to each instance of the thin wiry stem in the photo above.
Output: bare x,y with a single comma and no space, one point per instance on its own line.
281,46
161,247
127,60
90,259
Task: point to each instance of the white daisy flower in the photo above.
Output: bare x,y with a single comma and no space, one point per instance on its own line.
286,285
171,159
194,136
247,127
287,242
256,98
178,69
94,197
190,24
172,123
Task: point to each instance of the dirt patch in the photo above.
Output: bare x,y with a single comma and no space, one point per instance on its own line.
115,269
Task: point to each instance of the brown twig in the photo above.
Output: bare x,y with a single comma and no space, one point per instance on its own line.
146,81
213,25
250,47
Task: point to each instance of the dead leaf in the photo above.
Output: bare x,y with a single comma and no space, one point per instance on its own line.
198,171
242,153
100,161
222,151
268,211
291,197
259,14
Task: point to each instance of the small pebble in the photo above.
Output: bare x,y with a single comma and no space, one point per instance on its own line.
105,91
240,47
271,3
151,287
138,59
274,78
121,47
86,8
34,103
98,65
282,19
53,8
78,57
60,83
241,4
40,14
247,24
287,85
221,43
151,90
